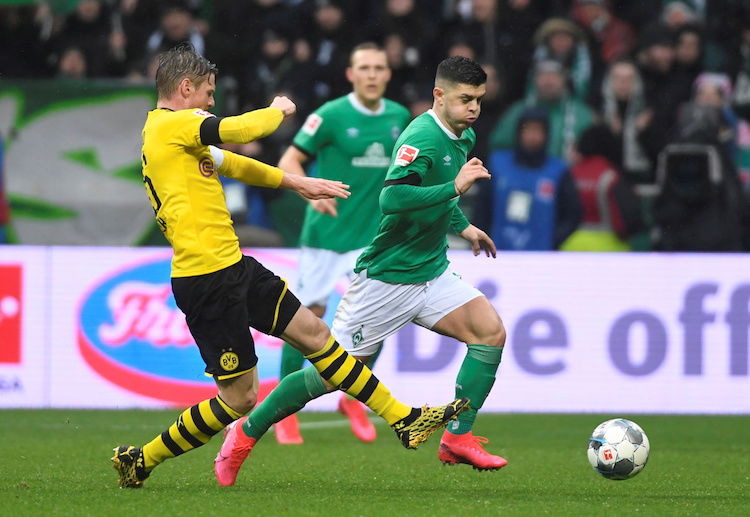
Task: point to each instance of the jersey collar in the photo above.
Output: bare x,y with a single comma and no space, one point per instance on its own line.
364,109
440,124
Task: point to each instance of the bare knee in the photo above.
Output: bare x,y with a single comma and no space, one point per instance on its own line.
494,334
241,402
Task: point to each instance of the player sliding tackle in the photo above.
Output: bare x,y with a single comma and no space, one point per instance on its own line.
223,292
403,276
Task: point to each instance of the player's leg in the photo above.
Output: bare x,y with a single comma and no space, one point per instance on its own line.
318,271
339,370
219,326
287,429
469,317
355,411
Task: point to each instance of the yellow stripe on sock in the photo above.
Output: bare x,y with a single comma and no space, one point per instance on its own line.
331,341
231,412
178,438
192,428
209,417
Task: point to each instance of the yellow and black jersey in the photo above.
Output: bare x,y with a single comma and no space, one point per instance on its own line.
180,172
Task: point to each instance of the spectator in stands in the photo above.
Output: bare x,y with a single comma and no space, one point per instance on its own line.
25,31
535,204
89,29
176,25
624,111
688,52
741,104
700,206
408,80
664,90
563,41
568,116
678,13
330,40
609,38
715,90
270,69
611,210
72,64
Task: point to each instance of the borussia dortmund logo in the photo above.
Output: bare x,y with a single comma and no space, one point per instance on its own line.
229,361
357,338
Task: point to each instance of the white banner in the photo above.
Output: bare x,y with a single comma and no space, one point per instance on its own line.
613,333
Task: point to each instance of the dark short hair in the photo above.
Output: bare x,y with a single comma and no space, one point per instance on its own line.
367,45
179,62
461,70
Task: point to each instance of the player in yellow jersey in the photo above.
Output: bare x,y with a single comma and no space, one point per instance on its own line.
222,292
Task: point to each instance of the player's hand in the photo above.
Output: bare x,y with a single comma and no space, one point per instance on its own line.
469,173
326,206
286,106
315,188
479,241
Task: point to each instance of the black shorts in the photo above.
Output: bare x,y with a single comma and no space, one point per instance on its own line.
220,307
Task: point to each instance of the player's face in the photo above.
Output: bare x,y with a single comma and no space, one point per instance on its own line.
369,74
459,105
203,94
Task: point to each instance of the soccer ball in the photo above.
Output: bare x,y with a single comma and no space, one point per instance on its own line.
618,449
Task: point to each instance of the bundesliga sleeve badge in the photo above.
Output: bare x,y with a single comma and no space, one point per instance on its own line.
405,155
203,113
312,124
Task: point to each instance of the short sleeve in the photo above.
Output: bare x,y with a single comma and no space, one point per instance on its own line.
188,128
314,133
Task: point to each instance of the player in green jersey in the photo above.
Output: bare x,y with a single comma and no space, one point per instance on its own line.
403,275
351,138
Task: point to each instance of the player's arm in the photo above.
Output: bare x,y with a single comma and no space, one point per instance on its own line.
241,129
259,174
293,161
406,193
479,240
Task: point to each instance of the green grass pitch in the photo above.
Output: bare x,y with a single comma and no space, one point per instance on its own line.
55,462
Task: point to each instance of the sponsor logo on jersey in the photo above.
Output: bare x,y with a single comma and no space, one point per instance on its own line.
312,123
446,160
545,189
203,113
352,132
405,155
374,157
206,167
10,313
131,333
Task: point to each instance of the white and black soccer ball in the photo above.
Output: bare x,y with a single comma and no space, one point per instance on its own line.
618,449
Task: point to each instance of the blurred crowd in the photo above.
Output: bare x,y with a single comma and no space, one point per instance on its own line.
604,120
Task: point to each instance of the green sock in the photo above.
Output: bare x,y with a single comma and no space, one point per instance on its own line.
291,360
293,392
474,381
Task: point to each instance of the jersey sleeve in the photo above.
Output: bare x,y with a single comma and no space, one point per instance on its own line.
412,157
188,123
315,132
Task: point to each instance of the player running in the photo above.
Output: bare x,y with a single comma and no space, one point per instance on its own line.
403,276
352,139
222,292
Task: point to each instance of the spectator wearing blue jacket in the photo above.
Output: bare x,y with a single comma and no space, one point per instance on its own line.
535,204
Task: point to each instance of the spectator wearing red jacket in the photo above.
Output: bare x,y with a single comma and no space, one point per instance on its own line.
611,210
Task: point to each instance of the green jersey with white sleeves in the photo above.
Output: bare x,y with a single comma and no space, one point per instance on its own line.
419,204
354,145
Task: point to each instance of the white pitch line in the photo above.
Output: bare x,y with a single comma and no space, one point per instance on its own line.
339,422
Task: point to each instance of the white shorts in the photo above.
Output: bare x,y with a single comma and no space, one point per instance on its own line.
319,271
371,310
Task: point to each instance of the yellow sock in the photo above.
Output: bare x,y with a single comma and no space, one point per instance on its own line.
347,374
194,427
